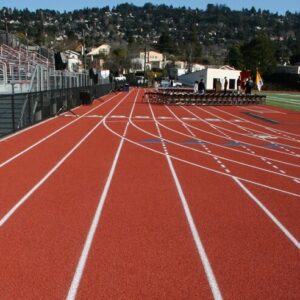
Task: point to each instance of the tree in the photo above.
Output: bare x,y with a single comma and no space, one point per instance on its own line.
235,57
259,53
166,44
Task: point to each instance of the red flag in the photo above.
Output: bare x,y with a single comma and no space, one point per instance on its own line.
244,76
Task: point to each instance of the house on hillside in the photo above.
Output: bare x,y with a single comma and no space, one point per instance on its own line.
152,59
211,75
73,61
182,67
103,49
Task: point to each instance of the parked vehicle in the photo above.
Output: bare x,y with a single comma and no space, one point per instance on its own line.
167,83
120,78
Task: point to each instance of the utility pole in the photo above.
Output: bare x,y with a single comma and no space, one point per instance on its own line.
83,54
6,26
145,60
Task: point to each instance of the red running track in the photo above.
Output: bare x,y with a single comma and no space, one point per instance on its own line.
129,200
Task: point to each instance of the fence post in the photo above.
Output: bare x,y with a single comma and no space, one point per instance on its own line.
13,105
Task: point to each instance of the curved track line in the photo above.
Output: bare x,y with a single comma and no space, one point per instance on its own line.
243,135
201,166
36,125
208,154
90,237
231,149
251,152
282,228
195,233
8,215
293,239
50,135
259,125
247,129
26,129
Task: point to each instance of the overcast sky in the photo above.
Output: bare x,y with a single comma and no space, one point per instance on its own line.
280,6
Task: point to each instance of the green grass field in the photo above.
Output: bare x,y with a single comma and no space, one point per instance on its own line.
283,99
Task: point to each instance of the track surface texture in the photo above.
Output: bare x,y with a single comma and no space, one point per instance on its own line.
124,199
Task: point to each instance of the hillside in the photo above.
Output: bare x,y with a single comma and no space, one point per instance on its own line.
207,36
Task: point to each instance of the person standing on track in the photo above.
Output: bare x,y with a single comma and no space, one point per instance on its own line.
196,87
238,84
225,85
201,87
248,86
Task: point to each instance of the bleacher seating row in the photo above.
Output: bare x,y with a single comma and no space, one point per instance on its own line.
188,98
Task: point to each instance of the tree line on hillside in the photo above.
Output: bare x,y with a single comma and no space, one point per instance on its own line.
249,38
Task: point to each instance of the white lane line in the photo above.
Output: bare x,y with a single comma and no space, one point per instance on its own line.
26,129
118,116
35,125
90,237
196,236
44,179
232,149
48,136
249,150
198,165
277,131
7,216
268,213
199,151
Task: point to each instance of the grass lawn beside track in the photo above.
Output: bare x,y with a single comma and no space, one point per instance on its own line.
288,100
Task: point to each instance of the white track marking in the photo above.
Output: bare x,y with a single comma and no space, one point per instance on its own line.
278,131
209,154
232,149
3,139
201,166
198,165
50,135
246,148
199,245
7,216
33,126
255,199
268,213
90,237
255,137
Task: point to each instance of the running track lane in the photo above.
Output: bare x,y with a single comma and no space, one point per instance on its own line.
237,236
252,259
143,248
43,239
196,156
14,144
37,162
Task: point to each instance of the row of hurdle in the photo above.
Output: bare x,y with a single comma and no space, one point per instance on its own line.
171,97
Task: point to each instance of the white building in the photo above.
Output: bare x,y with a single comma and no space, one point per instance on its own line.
73,61
211,75
103,49
153,59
